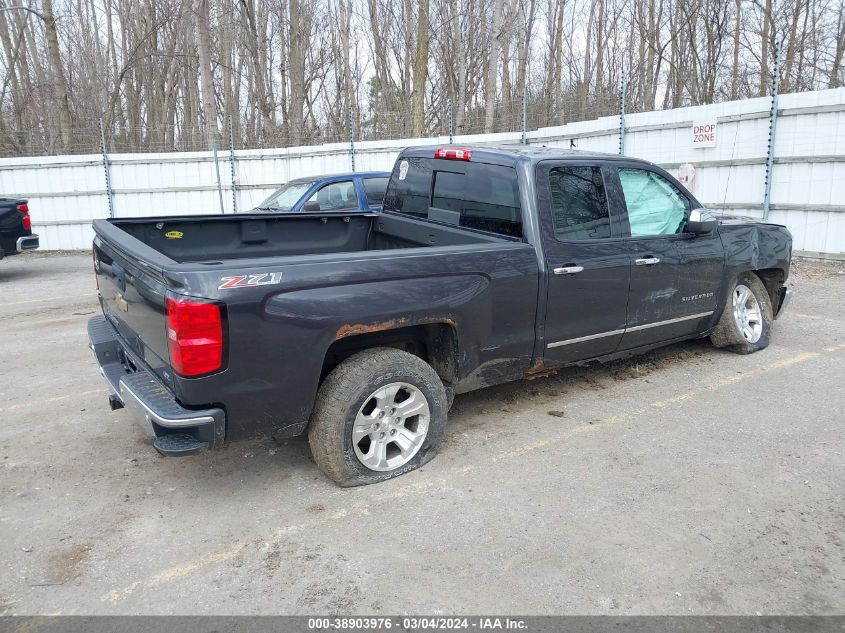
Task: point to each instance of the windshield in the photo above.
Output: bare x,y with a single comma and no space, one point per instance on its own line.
285,198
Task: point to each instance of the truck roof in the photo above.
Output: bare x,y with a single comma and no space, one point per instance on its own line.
511,154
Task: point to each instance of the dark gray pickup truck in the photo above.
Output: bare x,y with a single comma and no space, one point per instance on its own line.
488,264
16,234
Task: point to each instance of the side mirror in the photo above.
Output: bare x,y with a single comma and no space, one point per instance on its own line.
311,207
701,222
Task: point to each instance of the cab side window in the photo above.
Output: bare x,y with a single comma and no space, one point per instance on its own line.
579,203
655,206
336,196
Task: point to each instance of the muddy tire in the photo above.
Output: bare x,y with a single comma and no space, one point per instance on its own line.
379,414
746,321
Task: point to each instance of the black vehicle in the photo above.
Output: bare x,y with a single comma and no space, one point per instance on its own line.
16,233
488,264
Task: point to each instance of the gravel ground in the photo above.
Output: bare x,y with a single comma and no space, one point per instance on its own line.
690,480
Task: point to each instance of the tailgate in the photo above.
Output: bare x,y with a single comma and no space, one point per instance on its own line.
11,224
132,298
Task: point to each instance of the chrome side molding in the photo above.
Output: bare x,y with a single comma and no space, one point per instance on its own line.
590,337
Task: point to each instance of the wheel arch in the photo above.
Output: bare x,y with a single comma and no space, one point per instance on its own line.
773,279
435,342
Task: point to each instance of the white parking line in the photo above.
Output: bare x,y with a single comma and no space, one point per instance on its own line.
815,317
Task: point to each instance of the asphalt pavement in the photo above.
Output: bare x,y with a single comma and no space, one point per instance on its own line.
687,481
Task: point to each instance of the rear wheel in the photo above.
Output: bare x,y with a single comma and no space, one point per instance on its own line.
746,321
379,414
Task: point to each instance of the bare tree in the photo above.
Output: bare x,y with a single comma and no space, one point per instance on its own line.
491,75
421,67
58,81
835,79
167,74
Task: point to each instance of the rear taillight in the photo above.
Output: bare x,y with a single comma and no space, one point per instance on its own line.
23,209
194,336
454,153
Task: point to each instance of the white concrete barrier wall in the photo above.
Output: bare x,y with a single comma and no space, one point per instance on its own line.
808,187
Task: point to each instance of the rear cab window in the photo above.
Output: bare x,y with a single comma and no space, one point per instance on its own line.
473,195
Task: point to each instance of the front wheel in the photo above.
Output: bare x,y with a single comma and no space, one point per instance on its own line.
746,321
379,414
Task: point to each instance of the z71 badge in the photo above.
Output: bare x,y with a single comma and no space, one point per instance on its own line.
249,281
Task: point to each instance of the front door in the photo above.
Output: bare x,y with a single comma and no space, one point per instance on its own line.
674,275
587,264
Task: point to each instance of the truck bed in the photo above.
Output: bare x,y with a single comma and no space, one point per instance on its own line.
210,239
297,287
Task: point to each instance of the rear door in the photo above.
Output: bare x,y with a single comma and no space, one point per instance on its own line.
674,275
588,263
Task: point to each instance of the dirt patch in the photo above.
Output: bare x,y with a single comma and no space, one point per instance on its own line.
64,565
816,269
273,559
642,366
39,254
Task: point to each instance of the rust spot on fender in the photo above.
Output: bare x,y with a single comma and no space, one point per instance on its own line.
353,329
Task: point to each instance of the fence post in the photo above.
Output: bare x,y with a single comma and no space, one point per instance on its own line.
217,170
233,168
773,119
524,113
106,169
351,137
449,120
622,114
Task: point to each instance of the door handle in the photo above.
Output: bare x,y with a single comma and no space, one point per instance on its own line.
647,261
568,270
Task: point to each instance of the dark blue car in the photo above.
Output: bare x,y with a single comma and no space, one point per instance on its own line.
360,191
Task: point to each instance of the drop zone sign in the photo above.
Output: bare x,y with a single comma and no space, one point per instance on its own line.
704,133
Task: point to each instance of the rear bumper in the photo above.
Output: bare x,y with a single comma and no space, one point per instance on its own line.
784,298
151,403
27,243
